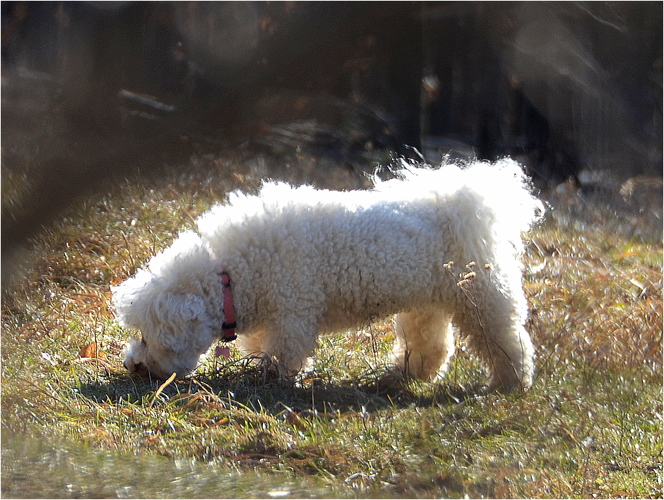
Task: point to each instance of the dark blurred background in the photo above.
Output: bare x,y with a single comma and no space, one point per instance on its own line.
573,90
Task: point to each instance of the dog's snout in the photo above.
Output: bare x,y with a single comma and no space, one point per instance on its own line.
137,368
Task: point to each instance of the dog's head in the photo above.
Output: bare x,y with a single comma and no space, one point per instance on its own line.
176,305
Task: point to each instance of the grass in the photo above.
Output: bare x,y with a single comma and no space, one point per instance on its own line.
591,426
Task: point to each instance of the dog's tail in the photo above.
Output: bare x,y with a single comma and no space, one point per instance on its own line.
504,198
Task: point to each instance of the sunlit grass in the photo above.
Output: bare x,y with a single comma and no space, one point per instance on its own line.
590,426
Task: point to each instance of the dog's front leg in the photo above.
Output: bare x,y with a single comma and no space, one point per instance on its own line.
290,343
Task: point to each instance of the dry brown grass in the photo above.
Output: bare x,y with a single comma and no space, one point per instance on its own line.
600,295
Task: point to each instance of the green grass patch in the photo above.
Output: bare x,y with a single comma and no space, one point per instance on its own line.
590,427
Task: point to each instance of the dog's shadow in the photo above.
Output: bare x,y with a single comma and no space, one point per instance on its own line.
262,391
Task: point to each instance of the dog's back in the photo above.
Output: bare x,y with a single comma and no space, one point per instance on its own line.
372,253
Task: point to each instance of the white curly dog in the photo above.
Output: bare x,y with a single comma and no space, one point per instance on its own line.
439,248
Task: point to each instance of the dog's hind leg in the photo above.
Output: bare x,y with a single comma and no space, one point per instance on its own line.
492,326
425,342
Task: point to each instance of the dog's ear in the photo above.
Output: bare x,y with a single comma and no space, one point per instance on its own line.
143,303
178,308
171,317
185,262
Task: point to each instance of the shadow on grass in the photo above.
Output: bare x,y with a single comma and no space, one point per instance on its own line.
257,390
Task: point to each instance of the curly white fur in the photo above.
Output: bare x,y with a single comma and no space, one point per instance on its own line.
304,261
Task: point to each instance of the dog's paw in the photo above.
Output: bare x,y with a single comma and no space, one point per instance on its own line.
266,369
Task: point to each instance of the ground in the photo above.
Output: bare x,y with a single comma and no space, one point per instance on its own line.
591,425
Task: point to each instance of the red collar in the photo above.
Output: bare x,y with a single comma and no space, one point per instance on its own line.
229,325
